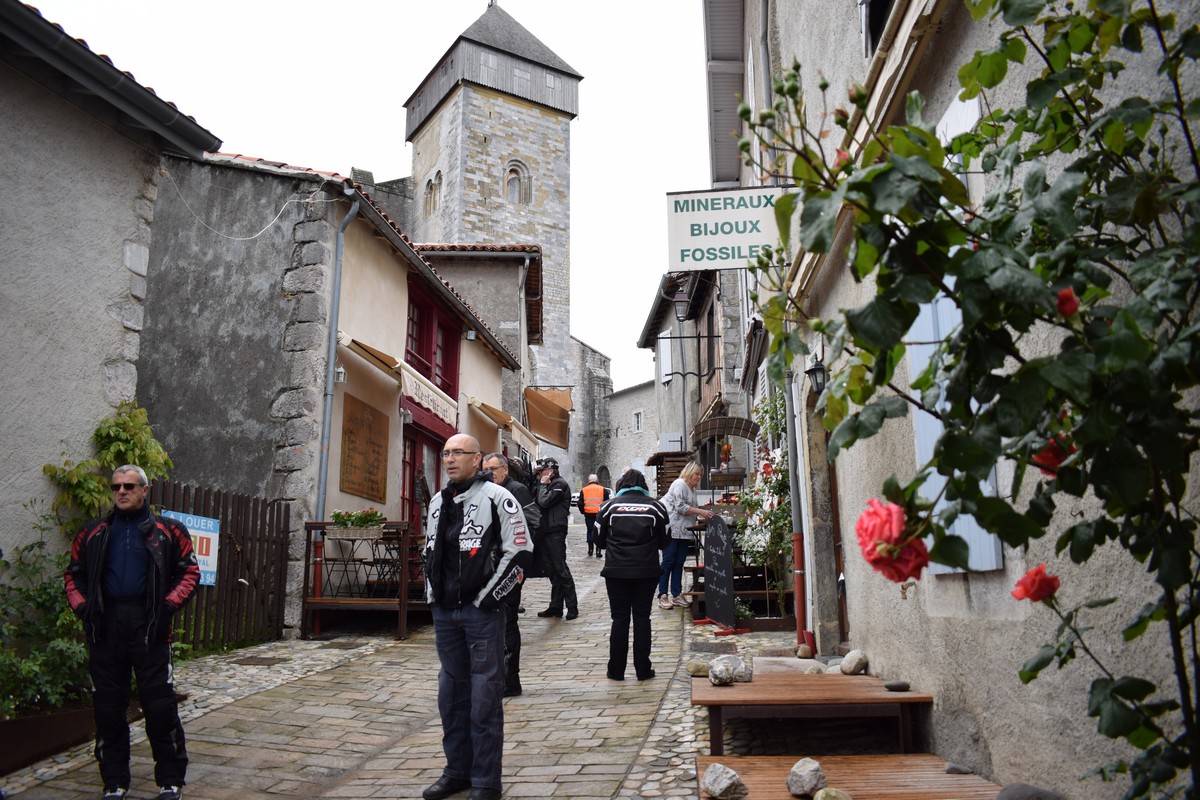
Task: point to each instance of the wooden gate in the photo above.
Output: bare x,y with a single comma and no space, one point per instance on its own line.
245,606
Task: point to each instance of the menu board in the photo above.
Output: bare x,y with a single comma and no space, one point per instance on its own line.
718,572
364,450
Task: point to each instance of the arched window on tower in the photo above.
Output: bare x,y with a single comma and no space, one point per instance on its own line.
433,194
518,186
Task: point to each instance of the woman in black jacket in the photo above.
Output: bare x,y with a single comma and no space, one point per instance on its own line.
632,531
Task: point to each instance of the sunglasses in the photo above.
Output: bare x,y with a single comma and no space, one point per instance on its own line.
129,487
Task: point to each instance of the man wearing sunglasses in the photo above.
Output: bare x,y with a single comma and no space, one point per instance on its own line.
477,549
130,572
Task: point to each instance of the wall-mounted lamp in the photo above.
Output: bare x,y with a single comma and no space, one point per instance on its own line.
472,335
817,375
339,373
681,301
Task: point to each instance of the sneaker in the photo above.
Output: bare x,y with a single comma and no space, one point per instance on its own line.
680,600
115,794
664,601
170,793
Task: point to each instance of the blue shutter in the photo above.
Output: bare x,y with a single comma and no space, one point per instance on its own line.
934,322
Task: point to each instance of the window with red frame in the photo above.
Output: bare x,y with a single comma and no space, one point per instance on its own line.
432,341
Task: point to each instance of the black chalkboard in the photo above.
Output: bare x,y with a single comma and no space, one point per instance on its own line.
718,572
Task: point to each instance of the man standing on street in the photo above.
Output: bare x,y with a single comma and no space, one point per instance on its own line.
591,497
476,550
129,573
501,470
553,496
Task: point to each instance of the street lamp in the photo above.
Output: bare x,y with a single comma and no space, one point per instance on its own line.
681,301
816,375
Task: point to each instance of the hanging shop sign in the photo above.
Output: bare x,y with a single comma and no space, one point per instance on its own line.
720,229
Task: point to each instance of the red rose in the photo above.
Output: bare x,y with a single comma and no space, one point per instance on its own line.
881,522
906,563
1051,457
841,117
1068,303
1036,585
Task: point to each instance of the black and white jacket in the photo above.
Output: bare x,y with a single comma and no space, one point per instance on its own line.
631,529
493,545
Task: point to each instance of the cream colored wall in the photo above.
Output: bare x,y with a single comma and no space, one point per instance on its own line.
374,311
481,377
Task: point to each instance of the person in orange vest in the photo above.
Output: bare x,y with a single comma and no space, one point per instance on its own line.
591,497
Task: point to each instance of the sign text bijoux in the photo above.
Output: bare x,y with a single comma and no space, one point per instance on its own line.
719,229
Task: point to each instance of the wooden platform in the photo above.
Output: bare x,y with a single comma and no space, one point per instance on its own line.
778,695
890,777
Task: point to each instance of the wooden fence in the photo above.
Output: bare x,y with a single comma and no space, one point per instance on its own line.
246,604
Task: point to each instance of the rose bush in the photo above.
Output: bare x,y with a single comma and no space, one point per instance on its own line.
1076,279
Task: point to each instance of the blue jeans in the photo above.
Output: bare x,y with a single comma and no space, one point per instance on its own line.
674,557
470,645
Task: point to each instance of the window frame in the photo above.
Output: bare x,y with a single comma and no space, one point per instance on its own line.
436,334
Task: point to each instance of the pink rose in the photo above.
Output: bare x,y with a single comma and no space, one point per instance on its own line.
1067,302
881,530
841,160
1036,585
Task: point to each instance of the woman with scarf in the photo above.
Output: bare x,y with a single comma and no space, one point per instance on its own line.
631,530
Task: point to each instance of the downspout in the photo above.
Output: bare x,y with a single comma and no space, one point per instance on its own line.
331,361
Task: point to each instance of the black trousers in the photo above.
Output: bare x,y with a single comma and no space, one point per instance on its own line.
121,650
589,524
554,561
512,640
629,599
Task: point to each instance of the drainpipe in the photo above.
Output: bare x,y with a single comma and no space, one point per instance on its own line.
800,598
331,361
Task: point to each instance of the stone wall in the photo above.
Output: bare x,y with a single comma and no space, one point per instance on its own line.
619,443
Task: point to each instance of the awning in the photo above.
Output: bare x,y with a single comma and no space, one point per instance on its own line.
724,427
413,384
549,414
505,421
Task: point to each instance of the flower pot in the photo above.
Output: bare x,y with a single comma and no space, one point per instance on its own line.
372,533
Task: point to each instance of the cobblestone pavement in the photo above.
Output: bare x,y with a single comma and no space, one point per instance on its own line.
355,716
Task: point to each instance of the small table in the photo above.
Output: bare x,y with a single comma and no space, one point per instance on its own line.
785,695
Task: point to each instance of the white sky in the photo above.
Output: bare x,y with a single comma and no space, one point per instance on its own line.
321,85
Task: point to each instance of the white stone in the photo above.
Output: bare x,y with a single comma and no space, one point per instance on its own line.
855,663
805,778
723,783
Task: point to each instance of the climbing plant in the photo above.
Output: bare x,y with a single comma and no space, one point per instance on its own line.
1077,278
83,488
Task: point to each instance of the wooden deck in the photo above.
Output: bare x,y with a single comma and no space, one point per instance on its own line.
783,695
887,777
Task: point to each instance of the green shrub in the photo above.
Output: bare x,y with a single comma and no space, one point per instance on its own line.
43,659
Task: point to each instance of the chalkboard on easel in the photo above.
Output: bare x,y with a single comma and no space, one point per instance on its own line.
718,572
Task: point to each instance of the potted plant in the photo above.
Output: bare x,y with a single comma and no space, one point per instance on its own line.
364,524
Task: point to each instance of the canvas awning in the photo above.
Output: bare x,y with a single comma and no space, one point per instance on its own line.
505,421
549,414
413,385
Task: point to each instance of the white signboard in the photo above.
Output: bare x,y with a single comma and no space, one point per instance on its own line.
205,533
721,228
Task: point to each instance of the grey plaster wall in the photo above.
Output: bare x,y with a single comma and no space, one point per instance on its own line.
76,226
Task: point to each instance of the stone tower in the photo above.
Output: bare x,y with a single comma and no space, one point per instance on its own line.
490,129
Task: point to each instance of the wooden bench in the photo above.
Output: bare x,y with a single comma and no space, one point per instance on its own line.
786,695
880,777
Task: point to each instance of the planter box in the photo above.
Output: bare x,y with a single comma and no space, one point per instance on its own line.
28,739
771,624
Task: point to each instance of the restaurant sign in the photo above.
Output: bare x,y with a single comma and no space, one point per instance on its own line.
721,228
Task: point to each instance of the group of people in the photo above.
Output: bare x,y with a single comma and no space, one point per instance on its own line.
131,571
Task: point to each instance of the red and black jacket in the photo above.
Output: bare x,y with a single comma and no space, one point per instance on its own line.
173,576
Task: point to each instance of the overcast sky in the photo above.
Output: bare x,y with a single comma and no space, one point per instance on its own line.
321,85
